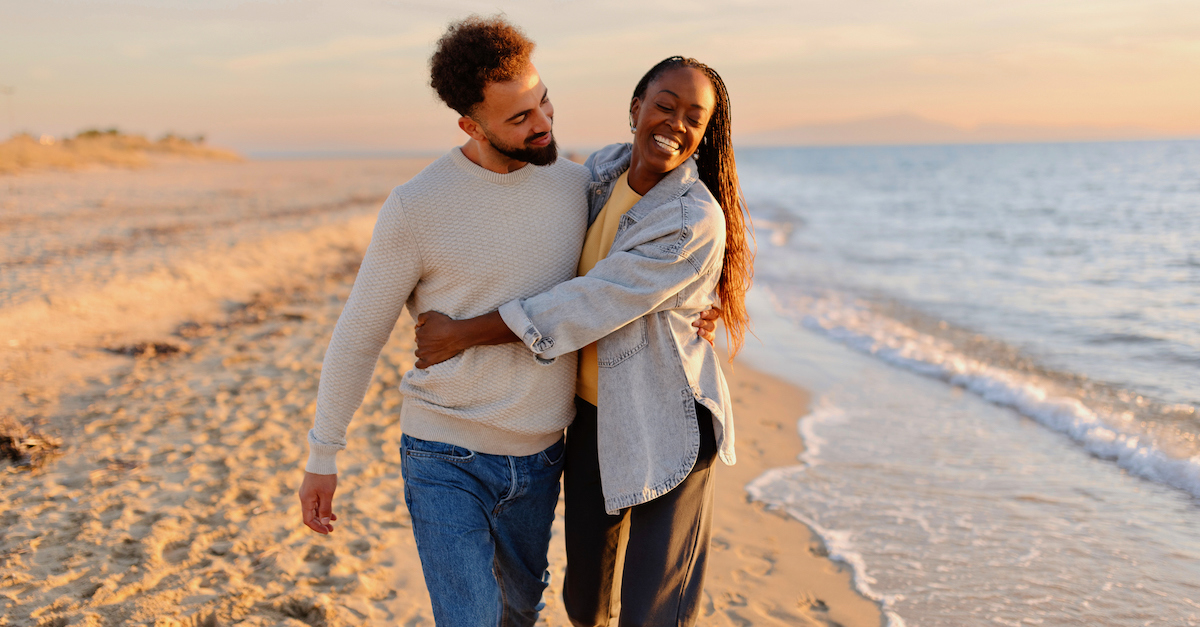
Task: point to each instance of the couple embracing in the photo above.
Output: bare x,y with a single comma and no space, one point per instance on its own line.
551,296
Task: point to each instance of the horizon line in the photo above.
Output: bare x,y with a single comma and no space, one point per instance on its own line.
304,154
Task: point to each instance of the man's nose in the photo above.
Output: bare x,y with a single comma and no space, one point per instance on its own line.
542,120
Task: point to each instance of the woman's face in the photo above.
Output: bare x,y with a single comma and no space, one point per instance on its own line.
671,119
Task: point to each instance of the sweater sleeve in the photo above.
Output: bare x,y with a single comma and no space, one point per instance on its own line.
389,272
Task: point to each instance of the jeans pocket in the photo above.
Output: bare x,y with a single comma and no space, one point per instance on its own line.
414,448
553,455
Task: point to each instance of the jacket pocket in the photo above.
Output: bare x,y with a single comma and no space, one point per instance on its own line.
622,343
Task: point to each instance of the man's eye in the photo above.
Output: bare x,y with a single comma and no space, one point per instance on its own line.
518,120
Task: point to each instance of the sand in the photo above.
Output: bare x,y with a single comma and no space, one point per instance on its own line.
173,500
103,148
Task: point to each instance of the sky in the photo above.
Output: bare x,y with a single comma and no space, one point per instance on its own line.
309,75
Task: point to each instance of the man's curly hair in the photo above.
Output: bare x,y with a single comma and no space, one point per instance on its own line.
474,52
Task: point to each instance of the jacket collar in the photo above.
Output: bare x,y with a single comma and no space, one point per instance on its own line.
673,186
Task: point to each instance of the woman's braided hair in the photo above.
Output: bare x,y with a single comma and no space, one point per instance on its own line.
718,170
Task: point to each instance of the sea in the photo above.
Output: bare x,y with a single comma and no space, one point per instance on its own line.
1003,345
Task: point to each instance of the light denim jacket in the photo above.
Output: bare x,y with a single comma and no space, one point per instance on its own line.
639,303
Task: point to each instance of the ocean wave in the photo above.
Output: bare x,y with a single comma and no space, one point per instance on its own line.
896,343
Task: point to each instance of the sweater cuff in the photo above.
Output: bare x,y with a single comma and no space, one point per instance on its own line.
519,323
322,458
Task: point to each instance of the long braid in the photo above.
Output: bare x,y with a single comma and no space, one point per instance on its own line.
718,169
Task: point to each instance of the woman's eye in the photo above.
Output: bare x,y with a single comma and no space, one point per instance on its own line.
664,108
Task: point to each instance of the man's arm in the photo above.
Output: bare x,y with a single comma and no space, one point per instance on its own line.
389,272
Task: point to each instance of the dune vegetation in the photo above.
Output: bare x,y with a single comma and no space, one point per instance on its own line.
104,147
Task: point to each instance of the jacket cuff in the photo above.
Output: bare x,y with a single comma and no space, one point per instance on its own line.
514,316
322,458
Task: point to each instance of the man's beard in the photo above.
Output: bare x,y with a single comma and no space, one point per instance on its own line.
537,156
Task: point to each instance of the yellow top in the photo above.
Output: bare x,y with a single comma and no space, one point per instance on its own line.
599,241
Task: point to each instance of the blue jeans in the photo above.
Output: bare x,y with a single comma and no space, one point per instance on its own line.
482,526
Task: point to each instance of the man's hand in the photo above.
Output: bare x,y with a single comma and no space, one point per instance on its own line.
437,338
316,502
706,324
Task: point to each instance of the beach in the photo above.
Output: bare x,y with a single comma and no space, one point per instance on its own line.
167,327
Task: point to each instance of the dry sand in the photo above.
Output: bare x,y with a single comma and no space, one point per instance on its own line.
173,502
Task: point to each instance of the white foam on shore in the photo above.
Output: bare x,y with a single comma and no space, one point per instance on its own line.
900,345
838,543
823,411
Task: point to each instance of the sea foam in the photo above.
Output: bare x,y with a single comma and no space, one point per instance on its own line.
771,488
843,319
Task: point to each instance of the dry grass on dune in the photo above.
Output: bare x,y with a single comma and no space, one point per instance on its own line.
110,148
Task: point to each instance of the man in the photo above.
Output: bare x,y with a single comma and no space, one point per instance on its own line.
482,452
497,219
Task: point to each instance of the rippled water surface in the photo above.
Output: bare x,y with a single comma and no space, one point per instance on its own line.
1026,448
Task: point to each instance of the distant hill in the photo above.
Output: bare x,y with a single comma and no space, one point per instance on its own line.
109,147
905,128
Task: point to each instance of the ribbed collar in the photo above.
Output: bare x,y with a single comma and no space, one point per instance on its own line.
470,167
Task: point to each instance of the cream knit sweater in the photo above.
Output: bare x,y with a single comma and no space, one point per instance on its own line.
462,240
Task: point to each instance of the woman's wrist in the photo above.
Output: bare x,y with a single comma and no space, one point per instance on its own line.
486,330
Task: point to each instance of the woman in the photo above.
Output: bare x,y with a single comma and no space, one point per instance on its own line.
667,237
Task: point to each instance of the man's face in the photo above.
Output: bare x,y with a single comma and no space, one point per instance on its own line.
517,119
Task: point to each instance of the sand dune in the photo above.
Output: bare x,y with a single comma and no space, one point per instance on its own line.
104,148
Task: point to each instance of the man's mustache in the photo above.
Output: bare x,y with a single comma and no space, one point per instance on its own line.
533,138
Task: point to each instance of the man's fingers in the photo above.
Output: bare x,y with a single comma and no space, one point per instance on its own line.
308,510
710,314
325,510
308,506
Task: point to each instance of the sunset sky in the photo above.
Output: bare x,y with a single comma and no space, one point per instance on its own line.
305,75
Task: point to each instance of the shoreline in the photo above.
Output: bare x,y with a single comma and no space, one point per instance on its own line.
762,549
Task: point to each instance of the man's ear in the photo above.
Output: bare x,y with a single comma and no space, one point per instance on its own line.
472,128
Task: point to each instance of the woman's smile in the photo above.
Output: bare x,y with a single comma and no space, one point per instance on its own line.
668,144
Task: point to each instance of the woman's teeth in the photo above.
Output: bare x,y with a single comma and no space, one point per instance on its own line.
665,143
